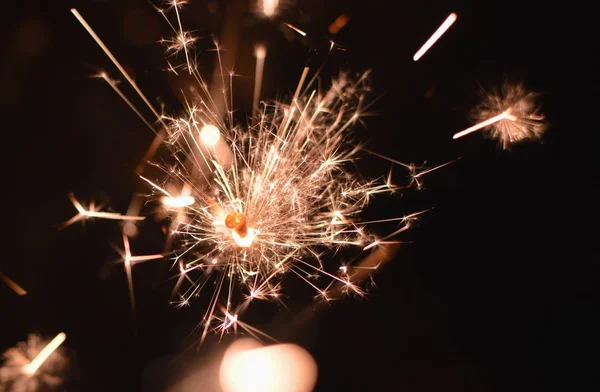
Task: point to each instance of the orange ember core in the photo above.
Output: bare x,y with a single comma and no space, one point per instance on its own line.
237,222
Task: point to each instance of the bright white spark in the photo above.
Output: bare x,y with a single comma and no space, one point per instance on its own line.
433,39
210,135
32,367
297,30
177,202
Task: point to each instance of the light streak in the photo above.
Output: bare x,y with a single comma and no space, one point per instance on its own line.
33,367
260,52
297,30
105,49
128,261
433,39
502,116
12,284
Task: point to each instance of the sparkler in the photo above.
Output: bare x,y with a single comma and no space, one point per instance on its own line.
32,366
252,205
510,116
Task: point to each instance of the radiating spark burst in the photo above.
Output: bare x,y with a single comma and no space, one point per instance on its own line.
272,199
511,116
286,202
33,366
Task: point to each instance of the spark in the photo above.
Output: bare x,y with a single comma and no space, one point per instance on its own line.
93,211
128,261
433,39
105,49
12,284
33,366
506,115
113,84
135,204
183,40
260,52
511,116
297,30
415,171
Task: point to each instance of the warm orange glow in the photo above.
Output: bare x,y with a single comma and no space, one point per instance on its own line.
337,24
237,221
12,284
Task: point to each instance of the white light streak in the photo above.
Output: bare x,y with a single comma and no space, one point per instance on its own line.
433,39
32,367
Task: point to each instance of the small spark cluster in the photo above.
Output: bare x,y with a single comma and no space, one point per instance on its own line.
510,116
33,365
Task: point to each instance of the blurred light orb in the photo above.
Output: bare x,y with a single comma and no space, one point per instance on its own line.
178,202
260,51
210,135
269,7
250,367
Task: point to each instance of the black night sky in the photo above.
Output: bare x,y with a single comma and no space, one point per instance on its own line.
496,288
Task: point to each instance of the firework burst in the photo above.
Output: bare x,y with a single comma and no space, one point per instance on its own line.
252,204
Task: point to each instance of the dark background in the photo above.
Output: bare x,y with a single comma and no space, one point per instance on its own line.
498,290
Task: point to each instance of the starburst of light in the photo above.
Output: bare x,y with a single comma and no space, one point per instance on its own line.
510,116
251,205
